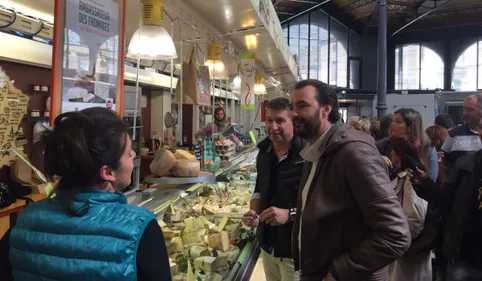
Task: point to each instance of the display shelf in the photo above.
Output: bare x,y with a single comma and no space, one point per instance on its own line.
37,118
204,176
175,207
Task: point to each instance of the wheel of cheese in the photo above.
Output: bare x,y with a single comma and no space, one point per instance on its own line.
163,162
186,168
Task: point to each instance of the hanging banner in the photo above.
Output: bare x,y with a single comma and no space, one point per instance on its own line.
247,74
90,44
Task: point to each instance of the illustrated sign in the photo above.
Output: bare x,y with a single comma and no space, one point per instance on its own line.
13,107
247,69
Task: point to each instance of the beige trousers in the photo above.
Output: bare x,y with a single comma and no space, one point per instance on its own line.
277,269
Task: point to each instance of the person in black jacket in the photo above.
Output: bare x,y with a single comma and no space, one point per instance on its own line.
460,202
273,205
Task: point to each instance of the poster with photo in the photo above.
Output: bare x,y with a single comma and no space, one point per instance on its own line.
90,55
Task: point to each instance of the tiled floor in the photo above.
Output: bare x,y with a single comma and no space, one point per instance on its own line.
258,272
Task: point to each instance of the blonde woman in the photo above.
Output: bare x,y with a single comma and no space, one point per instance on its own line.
361,123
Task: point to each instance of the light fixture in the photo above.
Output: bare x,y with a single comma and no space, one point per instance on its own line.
217,69
151,41
259,87
237,82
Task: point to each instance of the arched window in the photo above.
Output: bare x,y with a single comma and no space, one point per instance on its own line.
320,45
464,76
418,67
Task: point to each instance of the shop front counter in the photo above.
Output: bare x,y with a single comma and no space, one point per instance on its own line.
202,223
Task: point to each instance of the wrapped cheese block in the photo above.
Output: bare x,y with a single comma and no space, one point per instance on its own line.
214,241
184,155
215,277
210,264
174,270
163,162
225,241
186,168
232,255
199,251
169,233
177,241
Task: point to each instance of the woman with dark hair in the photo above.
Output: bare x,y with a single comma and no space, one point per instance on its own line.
437,135
407,121
88,231
408,154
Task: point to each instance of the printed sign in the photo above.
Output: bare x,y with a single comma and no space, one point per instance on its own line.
91,55
247,70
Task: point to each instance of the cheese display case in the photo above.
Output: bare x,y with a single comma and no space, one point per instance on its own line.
202,223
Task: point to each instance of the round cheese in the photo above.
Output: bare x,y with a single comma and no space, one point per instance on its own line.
163,162
186,168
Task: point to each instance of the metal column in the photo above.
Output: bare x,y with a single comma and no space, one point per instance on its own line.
382,59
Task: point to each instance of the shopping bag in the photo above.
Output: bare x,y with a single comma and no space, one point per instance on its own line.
195,81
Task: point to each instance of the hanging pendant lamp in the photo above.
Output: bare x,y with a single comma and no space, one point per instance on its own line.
217,69
151,41
259,87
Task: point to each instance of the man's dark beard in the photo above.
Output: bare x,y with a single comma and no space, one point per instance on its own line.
220,124
311,126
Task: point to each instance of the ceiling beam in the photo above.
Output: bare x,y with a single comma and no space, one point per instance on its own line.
355,5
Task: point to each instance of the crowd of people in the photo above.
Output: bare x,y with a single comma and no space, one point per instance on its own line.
372,200
375,199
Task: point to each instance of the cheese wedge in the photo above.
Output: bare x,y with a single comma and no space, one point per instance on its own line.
210,264
199,251
225,241
184,155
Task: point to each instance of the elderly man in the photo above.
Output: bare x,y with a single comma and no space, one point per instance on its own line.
349,225
465,139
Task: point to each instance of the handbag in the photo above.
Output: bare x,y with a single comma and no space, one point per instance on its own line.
6,196
414,207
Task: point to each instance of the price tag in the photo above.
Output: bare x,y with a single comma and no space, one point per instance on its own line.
253,137
190,274
223,223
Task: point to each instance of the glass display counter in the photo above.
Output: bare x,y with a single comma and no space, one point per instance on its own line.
202,223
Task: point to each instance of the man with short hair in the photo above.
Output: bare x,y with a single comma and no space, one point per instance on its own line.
349,224
445,121
465,139
279,166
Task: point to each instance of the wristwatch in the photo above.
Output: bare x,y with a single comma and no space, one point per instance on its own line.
292,214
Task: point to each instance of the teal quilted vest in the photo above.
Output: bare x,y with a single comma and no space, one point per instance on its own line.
47,243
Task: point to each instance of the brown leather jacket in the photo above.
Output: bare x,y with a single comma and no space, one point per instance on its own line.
353,224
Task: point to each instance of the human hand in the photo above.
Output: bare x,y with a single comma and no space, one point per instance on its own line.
274,216
389,163
329,277
440,155
249,219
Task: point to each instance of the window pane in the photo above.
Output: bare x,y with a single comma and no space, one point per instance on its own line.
298,43
418,67
338,54
465,73
432,70
354,74
407,67
319,46
398,69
